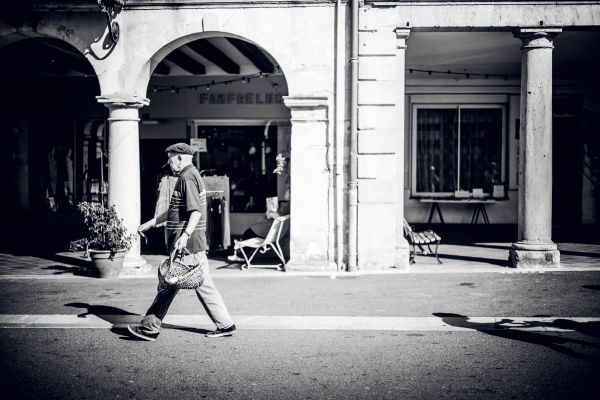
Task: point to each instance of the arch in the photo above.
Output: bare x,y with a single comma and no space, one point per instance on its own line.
49,90
35,50
148,36
85,32
149,66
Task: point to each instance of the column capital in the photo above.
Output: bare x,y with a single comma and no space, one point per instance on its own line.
401,36
307,101
536,38
123,101
307,108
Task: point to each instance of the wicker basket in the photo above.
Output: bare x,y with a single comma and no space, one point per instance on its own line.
174,272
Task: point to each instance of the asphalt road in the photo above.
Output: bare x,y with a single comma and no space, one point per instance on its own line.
183,364
83,363
478,294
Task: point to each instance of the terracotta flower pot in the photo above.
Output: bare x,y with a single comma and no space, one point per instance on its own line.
107,267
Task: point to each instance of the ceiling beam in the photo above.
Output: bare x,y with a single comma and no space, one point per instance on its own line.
186,62
254,54
214,55
162,69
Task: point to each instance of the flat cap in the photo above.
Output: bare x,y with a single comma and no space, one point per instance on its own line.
180,148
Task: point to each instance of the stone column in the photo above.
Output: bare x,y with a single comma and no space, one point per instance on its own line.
124,169
534,246
309,180
402,248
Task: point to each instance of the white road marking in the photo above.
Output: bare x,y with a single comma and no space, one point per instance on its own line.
293,322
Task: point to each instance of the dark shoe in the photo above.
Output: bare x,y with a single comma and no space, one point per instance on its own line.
222,332
142,332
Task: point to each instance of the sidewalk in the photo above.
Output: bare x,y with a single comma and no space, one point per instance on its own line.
460,258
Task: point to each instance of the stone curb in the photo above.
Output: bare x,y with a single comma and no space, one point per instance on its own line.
307,322
330,275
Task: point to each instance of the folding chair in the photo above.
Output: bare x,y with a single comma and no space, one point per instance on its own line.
427,238
270,242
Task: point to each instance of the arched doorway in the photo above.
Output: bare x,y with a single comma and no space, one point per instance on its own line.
224,95
52,138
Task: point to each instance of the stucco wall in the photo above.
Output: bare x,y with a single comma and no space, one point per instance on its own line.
299,39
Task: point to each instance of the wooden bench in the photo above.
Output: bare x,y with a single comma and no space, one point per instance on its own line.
420,239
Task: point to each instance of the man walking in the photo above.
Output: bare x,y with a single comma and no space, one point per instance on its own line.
186,227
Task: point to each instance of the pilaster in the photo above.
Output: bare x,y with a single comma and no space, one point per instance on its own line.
402,247
380,149
310,217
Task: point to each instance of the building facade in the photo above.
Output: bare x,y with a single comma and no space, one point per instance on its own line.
383,109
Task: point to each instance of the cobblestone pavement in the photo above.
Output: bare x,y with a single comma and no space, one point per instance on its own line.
476,257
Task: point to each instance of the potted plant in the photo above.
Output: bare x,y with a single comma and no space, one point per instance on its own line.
107,240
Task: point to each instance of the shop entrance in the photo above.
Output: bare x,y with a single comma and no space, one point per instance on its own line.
152,159
52,142
244,153
223,96
567,162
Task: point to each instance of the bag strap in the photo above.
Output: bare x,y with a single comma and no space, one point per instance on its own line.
174,252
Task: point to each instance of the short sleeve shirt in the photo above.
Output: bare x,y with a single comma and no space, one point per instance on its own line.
188,195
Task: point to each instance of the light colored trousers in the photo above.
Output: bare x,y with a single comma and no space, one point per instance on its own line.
207,293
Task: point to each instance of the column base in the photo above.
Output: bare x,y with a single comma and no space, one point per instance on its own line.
533,254
135,265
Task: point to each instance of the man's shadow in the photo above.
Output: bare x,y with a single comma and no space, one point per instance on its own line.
510,329
117,317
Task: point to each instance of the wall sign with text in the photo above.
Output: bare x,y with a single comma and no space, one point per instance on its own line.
251,98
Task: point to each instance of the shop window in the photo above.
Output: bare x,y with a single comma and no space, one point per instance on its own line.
72,164
458,150
92,179
246,154
52,169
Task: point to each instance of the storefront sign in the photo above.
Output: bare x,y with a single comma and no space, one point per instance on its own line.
198,144
255,98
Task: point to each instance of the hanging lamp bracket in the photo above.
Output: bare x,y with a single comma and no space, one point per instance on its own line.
111,8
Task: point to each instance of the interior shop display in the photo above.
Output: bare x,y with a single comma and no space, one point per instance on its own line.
246,154
458,148
94,162
72,164
218,231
